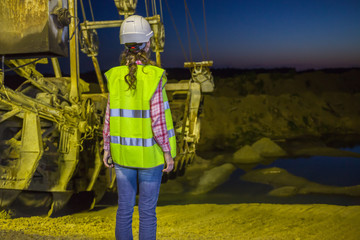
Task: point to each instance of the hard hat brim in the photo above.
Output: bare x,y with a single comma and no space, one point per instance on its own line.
135,37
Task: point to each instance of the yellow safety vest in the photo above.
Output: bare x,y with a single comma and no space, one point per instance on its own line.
132,141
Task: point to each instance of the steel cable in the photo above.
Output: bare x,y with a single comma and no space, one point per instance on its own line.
12,69
77,24
83,10
91,10
188,31
161,12
155,7
206,34
146,7
194,29
176,30
152,6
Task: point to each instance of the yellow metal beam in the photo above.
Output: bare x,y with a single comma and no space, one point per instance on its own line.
98,73
196,64
56,66
113,23
74,69
181,86
158,59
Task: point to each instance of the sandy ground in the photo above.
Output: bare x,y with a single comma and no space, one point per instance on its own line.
202,221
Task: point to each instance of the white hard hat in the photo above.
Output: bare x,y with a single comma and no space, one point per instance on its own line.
135,29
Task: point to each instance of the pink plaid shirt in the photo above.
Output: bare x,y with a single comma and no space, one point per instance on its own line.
158,122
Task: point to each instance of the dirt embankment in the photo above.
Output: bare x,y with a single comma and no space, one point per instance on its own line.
280,106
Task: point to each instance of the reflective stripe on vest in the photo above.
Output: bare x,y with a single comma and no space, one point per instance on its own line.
166,105
129,113
140,142
134,113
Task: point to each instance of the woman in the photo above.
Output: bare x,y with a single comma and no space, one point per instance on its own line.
138,130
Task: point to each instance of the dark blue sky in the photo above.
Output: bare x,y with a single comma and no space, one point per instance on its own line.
251,34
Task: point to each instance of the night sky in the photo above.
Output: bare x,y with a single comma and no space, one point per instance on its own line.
250,34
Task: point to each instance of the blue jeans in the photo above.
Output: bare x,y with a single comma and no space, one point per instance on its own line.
149,185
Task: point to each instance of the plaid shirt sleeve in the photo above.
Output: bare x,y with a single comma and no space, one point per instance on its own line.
158,122
106,130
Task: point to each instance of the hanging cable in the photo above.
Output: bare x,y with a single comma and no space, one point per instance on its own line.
91,10
176,30
77,24
196,36
12,69
161,12
146,7
83,10
194,29
155,7
206,35
152,6
188,31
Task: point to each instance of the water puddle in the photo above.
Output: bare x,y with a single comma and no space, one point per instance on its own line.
332,171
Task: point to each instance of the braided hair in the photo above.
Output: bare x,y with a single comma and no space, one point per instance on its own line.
134,52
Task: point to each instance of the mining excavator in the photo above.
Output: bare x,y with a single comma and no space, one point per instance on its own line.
51,126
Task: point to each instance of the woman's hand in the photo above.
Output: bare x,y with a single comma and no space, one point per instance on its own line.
107,159
169,162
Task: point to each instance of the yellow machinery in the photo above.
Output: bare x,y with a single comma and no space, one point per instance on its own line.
51,127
